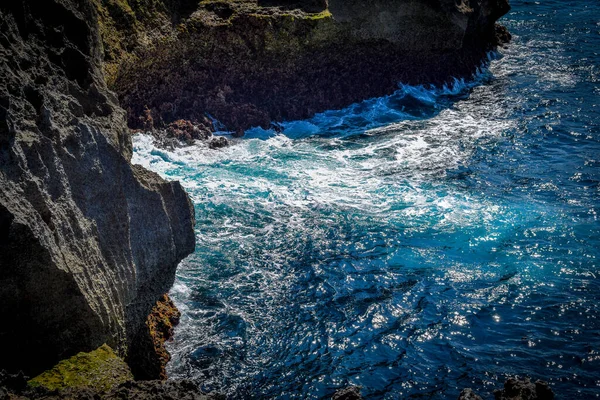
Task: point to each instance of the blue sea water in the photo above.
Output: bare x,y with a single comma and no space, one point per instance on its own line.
413,245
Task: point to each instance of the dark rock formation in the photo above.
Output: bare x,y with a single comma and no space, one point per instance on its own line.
434,25
311,6
88,242
156,390
181,133
161,322
131,390
99,370
218,142
516,389
468,394
99,374
524,389
249,62
349,393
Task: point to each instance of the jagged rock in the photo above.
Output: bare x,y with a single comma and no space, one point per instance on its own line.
99,374
88,242
186,131
503,36
12,382
440,25
349,393
468,394
161,322
311,6
155,390
131,390
248,63
218,142
524,389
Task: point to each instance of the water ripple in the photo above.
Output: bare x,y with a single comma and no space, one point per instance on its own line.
414,244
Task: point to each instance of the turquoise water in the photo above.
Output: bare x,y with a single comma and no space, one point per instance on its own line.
413,245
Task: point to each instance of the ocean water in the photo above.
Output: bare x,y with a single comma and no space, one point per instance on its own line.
415,245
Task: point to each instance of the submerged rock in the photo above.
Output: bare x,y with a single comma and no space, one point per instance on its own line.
88,242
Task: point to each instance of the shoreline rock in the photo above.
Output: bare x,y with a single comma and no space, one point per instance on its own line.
160,324
99,374
515,389
184,133
88,242
251,63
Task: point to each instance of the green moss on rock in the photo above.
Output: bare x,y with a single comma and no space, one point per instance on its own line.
100,370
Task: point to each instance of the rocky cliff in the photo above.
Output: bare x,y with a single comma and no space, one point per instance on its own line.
88,242
253,62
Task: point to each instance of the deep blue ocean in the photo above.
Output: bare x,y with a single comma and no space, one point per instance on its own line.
416,244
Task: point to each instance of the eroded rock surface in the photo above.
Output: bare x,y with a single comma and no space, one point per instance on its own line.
515,389
434,25
252,62
99,370
349,393
524,389
88,242
469,394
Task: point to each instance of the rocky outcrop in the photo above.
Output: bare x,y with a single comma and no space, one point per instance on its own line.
349,393
162,320
421,26
515,389
74,380
252,62
524,389
99,370
88,242
469,394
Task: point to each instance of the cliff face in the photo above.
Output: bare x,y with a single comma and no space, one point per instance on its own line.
252,62
426,25
88,242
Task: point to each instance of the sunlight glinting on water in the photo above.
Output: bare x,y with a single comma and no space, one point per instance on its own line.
414,244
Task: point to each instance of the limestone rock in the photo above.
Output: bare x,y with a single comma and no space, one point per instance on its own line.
88,242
